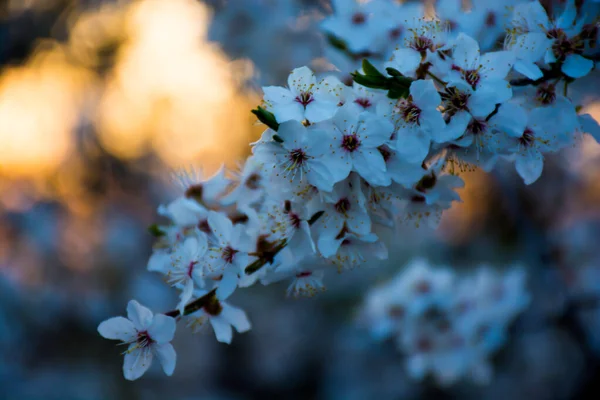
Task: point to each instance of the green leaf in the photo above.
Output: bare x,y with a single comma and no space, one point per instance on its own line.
277,138
315,217
370,81
266,118
337,42
393,72
155,231
370,70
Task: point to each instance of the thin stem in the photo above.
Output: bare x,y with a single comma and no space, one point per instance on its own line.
435,78
251,268
194,305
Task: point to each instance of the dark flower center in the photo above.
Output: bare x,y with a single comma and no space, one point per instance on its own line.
477,127
396,33
304,274
228,254
396,311
143,339
294,220
385,152
421,44
410,112
191,268
194,192
426,183
556,33
350,143
423,287
490,19
528,138
455,100
342,206
305,98
546,94
472,77
203,226
297,157
359,18
253,182
364,103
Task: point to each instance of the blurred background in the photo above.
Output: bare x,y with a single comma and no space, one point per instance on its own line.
101,100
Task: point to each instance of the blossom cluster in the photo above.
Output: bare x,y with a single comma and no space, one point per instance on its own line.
447,325
339,161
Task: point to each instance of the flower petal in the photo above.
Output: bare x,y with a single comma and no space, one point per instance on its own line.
162,329
166,356
236,317
466,52
222,329
221,227
118,328
139,315
529,166
577,66
136,362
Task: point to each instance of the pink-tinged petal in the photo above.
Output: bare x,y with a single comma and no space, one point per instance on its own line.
531,47
534,15
345,119
136,362
466,52
192,248
288,112
162,329
301,79
497,64
292,133
318,111
186,294
223,331
319,176
370,166
159,261
511,119
166,356
328,245
305,231
498,90
406,174
185,212
433,123
236,317
358,221
529,69
139,315
458,124
339,165
277,95
118,328
374,130
221,227
568,16
424,94
529,165
483,102
412,145
405,61
227,284
577,66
